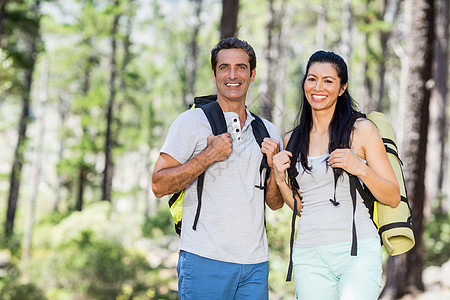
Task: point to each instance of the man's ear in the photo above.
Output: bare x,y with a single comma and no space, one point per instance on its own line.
253,75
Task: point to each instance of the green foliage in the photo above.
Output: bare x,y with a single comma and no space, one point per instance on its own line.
12,243
6,71
93,254
436,239
54,218
11,287
278,236
13,290
17,291
95,267
161,224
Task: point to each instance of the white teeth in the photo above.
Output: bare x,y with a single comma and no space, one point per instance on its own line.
232,84
319,97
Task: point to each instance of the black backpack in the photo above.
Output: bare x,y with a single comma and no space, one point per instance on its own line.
218,125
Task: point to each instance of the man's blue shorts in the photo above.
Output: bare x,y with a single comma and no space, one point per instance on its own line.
204,278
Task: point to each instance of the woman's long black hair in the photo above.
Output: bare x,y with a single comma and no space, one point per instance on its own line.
342,123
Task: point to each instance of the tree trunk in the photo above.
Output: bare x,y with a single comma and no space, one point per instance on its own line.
375,89
367,101
391,8
396,278
419,52
345,42
436,155
228,23
268,86
16,171
82,173
322,24
278,113
82,164
109,141
151,202
62,110
191,59
28,236
274,52
2,20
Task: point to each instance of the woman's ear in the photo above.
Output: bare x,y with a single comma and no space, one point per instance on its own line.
343,88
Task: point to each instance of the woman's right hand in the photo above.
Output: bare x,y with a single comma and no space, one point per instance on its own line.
281,162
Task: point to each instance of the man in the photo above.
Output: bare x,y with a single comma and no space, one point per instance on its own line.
226,256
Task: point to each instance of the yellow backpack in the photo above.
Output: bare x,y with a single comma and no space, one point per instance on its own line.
394,224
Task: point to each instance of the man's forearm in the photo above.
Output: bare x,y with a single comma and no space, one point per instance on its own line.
172,180
273,195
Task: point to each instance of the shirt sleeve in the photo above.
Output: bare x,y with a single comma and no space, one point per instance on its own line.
182,137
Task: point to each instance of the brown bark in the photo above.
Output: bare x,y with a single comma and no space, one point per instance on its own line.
2,19
191,59
274,54
16,170
419,52
228,23
109,140
436,157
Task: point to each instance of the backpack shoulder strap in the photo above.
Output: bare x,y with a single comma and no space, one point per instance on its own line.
259,129
215,116
216,119
260,132
292,176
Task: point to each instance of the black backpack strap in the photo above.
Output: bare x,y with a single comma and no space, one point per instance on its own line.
259,129
369,202
337,172
216,119
292,175
200,180
390,150
366,195
260,132
215,116
353,179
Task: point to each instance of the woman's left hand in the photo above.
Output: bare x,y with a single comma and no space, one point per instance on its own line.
346,159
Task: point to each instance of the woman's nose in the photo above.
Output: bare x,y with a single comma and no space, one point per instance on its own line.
318,85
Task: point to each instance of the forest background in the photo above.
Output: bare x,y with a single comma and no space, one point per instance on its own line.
88,89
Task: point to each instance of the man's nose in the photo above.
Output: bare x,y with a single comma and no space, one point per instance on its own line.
232,73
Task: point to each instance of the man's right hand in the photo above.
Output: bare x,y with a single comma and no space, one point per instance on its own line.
169,176
219,147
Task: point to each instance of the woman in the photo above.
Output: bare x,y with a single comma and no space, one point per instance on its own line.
332,135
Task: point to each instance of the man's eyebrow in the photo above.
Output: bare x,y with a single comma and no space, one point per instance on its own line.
239,65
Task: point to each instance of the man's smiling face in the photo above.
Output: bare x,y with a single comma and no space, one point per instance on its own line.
232,75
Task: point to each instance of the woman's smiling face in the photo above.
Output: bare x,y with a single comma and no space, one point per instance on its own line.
322,86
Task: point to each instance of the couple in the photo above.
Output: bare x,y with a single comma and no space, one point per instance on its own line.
226,256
